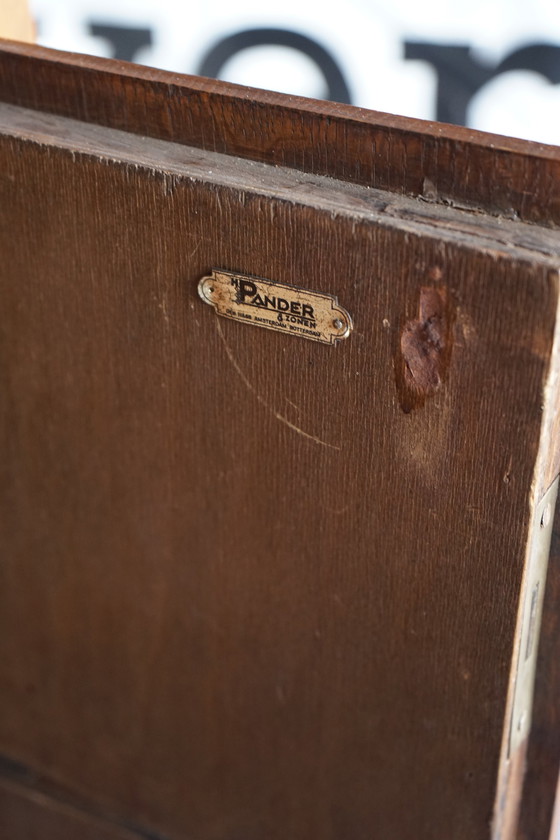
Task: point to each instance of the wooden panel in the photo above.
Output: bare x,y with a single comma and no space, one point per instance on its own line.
255,586
445,164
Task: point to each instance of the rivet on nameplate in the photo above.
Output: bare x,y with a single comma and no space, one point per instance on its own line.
276,306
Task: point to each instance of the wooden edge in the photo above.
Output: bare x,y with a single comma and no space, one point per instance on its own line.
543,757
555,829
437,162
508,810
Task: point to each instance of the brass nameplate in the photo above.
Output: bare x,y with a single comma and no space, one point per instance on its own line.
276,306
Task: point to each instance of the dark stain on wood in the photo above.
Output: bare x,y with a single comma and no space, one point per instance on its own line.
425,347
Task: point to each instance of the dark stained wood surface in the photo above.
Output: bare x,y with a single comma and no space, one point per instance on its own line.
254,586
445,164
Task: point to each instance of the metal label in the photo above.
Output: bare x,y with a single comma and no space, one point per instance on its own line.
276,306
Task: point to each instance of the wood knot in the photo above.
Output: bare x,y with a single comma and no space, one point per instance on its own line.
424,350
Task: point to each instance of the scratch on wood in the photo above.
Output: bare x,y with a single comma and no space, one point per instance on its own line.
336,511
297,408
262,401
195,250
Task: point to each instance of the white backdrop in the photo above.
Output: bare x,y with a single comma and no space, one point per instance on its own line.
366,41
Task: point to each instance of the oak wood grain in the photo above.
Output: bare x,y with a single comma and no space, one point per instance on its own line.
247,592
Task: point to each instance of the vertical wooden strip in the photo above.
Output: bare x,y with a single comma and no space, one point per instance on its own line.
543,759
555,830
